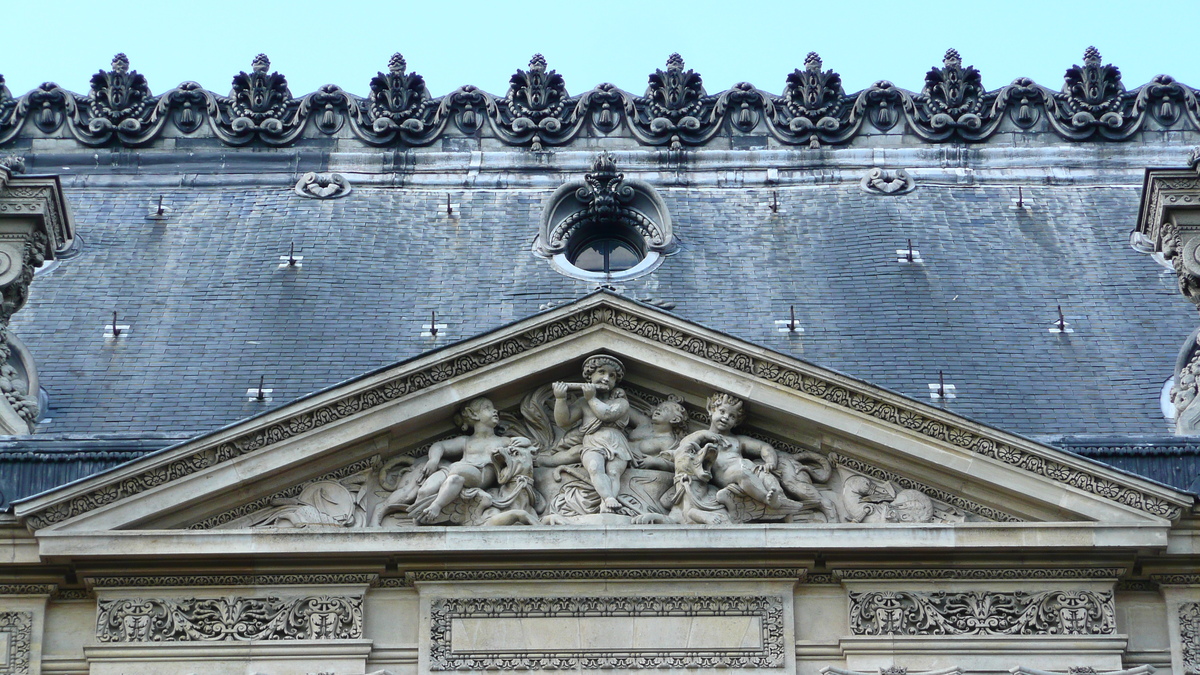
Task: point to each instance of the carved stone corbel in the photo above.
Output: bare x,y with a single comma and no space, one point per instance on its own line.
1169,228
34,224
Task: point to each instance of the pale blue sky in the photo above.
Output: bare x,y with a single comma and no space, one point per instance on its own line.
482,43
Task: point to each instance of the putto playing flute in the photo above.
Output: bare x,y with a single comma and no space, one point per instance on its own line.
596,421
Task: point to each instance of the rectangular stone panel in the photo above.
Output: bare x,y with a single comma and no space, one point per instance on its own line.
607,632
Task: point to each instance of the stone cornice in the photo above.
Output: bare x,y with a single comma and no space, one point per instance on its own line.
601,310
190,580
981,574
605,574
538,112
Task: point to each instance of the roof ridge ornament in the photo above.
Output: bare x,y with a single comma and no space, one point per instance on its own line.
675,111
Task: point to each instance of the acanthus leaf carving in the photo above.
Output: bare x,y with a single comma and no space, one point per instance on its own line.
675,108
953,103
398,107
229,619
1093,100
814,108
537,109
1059,612
259,106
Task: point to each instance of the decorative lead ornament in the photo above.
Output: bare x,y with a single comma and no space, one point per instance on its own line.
953,95
814,98
323,186
8,108
1092,94
118,98
398,98
674,94
535,102
673,107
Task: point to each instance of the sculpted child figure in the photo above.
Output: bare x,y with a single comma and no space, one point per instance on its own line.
730,466
597,421
474,467
658,434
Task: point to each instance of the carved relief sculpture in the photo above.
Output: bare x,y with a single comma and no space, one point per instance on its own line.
1189,637
591,452
982,613
596,420
229,619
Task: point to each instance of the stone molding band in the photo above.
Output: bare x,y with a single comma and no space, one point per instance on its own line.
983,574
230,580
778,370
627,574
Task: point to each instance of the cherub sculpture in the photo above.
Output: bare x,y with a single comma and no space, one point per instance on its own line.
655,436
473,469
731,469
596,420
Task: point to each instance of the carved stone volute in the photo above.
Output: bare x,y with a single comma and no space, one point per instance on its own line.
34,225
1169,228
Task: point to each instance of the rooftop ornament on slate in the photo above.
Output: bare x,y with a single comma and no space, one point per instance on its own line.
537,111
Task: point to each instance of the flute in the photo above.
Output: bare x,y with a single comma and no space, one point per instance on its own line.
574,386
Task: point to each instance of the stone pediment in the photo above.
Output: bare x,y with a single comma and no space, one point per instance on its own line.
815,449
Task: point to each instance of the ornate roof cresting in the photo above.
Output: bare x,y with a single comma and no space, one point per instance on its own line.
538,112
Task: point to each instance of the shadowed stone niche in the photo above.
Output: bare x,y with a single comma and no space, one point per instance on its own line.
34,225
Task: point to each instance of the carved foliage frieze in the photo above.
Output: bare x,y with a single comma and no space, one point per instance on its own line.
16,629
229,619
1073,612
769,652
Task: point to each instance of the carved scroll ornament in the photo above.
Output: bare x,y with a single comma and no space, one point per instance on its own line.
229,619
982,613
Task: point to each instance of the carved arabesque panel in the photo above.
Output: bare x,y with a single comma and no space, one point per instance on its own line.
1189,637
16,629
229,619
982,613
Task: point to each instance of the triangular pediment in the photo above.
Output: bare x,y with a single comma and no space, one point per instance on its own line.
848,452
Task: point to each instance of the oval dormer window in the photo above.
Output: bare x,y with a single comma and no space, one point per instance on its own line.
605,228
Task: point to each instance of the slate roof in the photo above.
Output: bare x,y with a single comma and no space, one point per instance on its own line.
210,310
